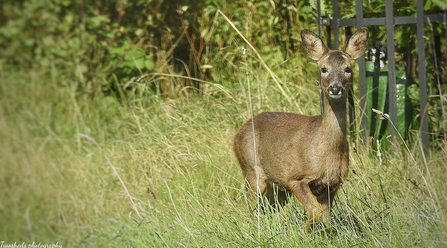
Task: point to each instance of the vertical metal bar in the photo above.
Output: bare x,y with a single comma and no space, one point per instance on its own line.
328,38
391,64
319,17
319,78
362,76
422,73
445,30
336,21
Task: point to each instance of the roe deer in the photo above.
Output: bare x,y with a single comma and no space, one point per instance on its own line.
305,155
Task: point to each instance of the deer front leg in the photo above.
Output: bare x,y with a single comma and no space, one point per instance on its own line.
326,208
326,199
314,209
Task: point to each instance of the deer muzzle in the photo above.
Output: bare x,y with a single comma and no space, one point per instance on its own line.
335,91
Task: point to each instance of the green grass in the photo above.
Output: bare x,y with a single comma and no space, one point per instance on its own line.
161,172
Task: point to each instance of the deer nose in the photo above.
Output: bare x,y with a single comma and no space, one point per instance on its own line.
335,91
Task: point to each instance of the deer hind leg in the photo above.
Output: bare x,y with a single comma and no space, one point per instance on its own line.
255,179
257,183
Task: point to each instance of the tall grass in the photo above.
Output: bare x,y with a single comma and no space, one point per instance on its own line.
160,172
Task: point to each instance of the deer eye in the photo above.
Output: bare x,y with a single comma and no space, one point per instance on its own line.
348,70
324,70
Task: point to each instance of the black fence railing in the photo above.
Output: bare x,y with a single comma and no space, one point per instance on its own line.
332,27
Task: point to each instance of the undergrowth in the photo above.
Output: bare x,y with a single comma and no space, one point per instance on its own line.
152,171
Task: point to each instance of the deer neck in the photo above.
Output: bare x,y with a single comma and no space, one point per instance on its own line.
334,122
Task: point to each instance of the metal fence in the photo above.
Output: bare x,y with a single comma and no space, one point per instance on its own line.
332,26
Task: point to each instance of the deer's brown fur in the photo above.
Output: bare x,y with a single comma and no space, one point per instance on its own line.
307,156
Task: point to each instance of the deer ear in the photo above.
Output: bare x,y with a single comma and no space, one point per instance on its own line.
314,46
357,43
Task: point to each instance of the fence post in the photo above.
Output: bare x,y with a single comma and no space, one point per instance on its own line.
362,78
335,20
422,74
319,75
389,15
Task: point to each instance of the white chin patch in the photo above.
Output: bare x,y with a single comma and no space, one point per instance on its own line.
333,96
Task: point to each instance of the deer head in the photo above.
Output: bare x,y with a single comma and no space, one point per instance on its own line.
335,65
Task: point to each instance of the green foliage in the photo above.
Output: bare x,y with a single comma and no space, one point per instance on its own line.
121,40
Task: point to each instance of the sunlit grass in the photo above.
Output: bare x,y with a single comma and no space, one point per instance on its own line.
160,172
